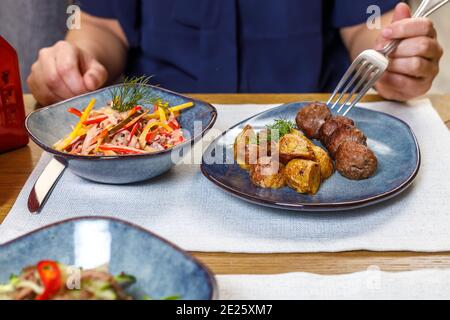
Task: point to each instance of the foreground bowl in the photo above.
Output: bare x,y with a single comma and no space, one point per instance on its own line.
48,125
160,268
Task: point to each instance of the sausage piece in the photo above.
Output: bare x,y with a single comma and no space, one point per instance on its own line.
331,125
345,133
311,117
355,161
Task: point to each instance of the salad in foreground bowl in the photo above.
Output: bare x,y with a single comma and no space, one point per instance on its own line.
50,280
123,127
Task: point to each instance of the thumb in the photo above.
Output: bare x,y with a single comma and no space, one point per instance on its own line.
95,74
402,11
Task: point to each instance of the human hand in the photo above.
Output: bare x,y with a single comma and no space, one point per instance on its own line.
415,62
63,71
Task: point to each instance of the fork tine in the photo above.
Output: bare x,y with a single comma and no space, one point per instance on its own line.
358,86
344,79
375,76
362,67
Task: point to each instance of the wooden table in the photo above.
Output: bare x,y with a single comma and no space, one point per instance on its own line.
16,166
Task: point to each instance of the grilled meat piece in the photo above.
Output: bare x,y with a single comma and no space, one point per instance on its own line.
311,118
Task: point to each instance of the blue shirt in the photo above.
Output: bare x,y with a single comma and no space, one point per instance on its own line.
237,45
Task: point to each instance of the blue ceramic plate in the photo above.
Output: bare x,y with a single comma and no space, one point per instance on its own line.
390,138
160,268
48,125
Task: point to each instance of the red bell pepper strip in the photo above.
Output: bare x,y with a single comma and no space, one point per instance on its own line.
95,120
134,110
76,112
174,124
50,275
122,150
151,135
133,131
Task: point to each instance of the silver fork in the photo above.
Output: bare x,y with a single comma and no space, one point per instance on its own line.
370,65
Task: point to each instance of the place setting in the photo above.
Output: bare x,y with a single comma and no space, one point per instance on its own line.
138,192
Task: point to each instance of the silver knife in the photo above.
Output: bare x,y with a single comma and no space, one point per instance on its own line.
44,185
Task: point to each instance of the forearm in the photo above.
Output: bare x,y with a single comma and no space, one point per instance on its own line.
104,41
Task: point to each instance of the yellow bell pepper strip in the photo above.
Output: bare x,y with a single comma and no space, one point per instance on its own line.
174,110
154,115
74,141
162,114
181,107
121,149
145,131
76,132
81,133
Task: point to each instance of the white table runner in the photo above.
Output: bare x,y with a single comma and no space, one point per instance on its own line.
370,284
185,208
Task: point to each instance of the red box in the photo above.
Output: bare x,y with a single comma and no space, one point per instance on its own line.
12,110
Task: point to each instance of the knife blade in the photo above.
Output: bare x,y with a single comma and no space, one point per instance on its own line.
44,185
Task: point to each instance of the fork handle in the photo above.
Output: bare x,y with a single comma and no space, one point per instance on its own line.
426,8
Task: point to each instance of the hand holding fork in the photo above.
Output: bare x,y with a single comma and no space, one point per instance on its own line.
370,65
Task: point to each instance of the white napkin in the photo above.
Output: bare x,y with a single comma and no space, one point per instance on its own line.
187,209
370,284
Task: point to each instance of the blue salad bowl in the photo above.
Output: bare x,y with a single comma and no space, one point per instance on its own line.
160,268
48,125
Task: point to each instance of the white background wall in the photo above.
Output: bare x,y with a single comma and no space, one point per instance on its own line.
442,22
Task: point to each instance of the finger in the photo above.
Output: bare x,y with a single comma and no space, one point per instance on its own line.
409,86
95,74
424,47
43,95
415,67
409,28
390,93
52,78
402,11
67,64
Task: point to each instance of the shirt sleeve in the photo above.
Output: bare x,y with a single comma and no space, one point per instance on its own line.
350,12
126,12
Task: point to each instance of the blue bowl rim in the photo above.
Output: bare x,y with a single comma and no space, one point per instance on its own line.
318,207
64,155
212,282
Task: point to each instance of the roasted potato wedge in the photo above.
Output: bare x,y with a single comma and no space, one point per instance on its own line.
294,146
324,161
301,135
303,176
266,146
268,173
246,148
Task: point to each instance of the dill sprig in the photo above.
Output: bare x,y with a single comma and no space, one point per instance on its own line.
132,92
282,126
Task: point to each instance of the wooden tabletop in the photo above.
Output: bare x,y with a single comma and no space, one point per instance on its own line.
16,166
